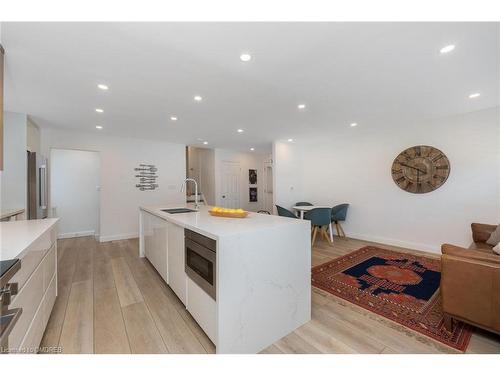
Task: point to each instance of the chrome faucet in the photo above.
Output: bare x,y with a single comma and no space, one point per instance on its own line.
183,189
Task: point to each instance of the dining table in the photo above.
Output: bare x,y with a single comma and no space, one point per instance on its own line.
303,209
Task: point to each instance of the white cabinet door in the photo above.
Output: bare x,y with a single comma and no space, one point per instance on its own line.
155,243
176,273
147,232
203,308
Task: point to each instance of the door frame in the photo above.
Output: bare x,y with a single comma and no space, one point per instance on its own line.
50,208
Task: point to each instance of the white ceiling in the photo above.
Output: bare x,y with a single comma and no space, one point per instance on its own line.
370,73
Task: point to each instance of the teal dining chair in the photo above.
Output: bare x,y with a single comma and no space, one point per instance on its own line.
320,219
282,211
303,204
339,214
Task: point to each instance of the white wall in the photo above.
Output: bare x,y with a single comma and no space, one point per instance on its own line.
14,175
74,191
247,160
119,198
354,166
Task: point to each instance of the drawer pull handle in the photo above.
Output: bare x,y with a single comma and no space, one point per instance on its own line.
9,290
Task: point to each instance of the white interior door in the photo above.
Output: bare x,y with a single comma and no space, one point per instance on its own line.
230,186
268,187
74,186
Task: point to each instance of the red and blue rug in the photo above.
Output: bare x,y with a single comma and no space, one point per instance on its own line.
399,286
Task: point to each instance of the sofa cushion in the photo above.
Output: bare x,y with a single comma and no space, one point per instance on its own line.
481,232
496,249
472,254
481,246
494,238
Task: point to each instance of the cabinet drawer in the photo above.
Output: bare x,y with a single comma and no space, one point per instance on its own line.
28,264
34,254
49,266
35,332
203,308
50,299
28,299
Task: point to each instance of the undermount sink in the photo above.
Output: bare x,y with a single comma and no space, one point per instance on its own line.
178,210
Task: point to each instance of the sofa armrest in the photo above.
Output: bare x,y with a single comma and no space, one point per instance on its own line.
481,232
470,287
469,254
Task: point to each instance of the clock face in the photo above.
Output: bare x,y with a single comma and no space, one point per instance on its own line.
420,169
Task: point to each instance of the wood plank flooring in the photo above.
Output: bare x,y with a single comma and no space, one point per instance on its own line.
112,301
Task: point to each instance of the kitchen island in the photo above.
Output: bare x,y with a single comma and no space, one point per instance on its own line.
245,281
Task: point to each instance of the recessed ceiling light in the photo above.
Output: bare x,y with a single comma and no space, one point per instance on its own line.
102,86
447,48
198,98
99,110
301,106
290,139
98,127
240,130
475,95
205,143
354,124
245,57
252,149
173,118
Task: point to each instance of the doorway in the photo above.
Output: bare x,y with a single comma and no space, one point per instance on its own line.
230,184
75,190
268,186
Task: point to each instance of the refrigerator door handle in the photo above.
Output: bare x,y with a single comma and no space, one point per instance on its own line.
42,187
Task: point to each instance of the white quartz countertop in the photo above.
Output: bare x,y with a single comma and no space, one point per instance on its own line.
8,212
215,226
17,236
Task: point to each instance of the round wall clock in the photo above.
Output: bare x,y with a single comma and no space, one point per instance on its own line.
420,169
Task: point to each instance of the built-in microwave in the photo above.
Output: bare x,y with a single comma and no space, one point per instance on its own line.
201,263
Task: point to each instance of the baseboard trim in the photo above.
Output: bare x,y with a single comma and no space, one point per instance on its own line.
391,241
116,237
76,234
382,240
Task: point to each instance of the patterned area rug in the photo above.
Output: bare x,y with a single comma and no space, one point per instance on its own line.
399,286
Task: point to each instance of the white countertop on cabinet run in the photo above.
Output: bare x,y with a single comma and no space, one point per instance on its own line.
216,227
17,236
8,212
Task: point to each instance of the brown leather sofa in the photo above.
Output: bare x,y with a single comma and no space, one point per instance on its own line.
470,282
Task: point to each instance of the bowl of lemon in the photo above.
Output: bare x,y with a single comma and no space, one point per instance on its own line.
228,212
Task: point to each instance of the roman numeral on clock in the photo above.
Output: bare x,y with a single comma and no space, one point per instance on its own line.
400,179
437,158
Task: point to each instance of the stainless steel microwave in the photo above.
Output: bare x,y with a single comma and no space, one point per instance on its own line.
201,261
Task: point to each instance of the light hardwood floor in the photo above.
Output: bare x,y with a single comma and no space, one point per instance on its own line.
112,301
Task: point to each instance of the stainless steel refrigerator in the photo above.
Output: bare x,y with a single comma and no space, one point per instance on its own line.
37,186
